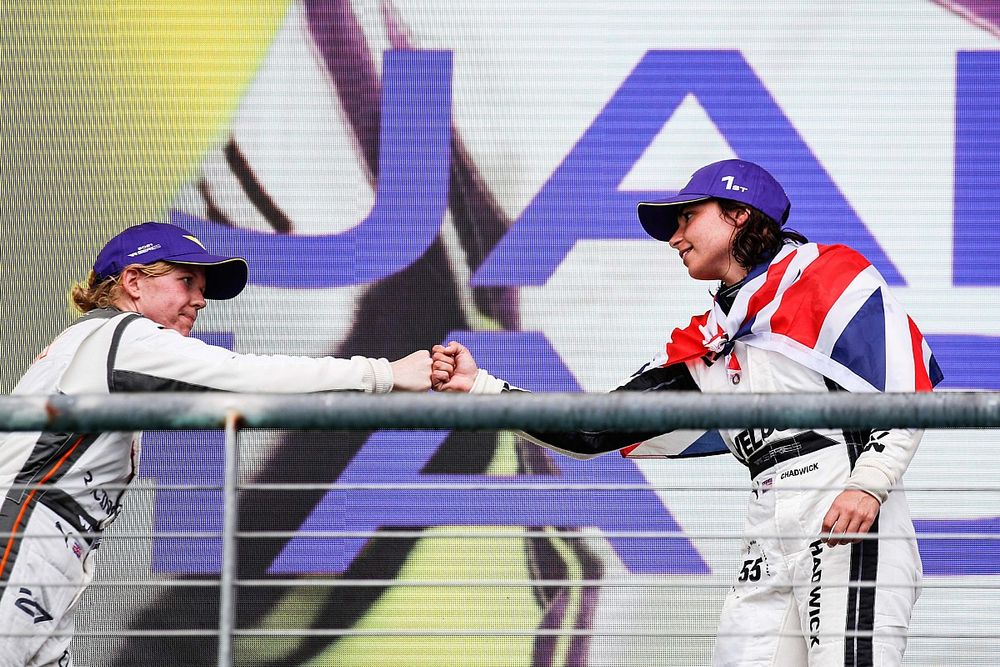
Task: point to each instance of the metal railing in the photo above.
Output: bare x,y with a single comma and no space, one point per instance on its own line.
539,412
620,411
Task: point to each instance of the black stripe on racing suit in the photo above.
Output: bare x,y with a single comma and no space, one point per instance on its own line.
858,650
591,443
53,455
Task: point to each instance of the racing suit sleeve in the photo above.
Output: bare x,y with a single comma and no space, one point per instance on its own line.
142,356
589,444
885,456
884,460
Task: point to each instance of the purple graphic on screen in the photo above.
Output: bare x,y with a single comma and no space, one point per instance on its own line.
410,199
498,504
417,141
581,199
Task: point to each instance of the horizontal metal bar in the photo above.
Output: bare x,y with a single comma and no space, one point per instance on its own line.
663,582
587,532
132,488
525,483
493,632
121,583
437,532
595,632
619,411
529,485
667,582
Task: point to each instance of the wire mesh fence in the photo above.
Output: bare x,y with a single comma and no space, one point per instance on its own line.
189,574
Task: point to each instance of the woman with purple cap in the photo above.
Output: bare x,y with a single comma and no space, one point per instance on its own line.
139,305
815,584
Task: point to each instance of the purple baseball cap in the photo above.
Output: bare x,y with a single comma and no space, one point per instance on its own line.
150,242
738,180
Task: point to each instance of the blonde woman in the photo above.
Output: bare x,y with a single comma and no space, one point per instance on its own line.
139,305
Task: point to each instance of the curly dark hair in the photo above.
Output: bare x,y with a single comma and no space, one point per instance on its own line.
759,238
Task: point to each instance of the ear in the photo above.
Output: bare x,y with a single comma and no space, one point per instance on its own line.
129,281
741,217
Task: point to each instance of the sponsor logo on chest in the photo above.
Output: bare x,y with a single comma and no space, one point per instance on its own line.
750,441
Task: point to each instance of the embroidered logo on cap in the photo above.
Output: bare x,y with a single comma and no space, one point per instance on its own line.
730,182
143,249
191,238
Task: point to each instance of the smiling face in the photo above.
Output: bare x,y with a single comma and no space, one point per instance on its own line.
704,240
172,299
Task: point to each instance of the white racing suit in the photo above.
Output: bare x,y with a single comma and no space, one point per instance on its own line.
796,601
60,490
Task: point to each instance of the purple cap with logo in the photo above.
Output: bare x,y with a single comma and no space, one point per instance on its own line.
150,242
738,180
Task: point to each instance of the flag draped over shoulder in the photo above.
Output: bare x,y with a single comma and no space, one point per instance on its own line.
823,306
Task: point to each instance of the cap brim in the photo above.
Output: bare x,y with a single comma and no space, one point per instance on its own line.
659,218
225,277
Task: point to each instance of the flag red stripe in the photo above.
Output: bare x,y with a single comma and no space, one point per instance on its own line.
687,343
806,303
625,451
765,294
921,378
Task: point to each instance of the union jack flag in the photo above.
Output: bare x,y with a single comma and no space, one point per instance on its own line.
823,306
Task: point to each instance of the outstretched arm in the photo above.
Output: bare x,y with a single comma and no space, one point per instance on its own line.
150,357
589,444
456,370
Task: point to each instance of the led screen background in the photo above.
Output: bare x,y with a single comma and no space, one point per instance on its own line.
404,173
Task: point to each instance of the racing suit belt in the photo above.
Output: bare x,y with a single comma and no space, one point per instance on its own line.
786,449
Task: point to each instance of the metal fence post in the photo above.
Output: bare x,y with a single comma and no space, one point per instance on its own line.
230,521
